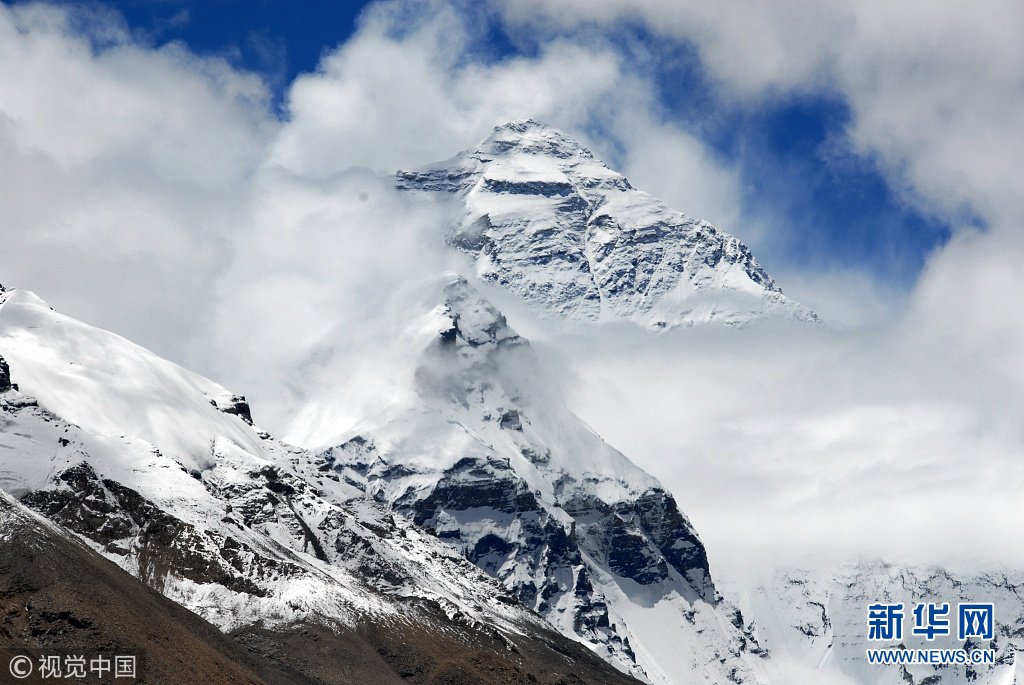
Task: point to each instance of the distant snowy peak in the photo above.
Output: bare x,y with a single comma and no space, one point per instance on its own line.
556,226
818,616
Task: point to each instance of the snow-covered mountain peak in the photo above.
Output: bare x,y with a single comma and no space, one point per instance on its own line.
544,218
476,388
488,456
480,375
530,137
474,320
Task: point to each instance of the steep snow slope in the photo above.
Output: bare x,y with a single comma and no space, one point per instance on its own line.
557,227
110,386
483,451
818,617
160,471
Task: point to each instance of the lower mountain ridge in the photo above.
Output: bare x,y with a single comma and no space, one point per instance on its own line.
315,582
475,531
57,593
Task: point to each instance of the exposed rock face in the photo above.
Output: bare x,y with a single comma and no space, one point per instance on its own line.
641,539
122,522
557,227
56,594
236,405
490,459
5,376
259,538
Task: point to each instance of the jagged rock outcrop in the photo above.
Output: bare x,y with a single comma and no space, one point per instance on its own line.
236,405
487,456
5,376
258,538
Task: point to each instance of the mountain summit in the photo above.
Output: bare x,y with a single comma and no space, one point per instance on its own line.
485,453
545,219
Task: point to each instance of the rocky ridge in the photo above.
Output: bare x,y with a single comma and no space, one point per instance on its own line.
487,456
260,539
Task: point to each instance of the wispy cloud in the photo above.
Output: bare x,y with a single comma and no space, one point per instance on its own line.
122,169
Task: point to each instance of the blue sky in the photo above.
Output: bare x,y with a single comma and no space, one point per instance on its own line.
833,208
840,209
275,38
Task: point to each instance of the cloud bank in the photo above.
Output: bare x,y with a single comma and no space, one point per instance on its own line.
122,169
153,192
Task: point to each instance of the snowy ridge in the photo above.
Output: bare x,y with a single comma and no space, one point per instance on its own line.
232,524
560,229
818,617
108,385
488,456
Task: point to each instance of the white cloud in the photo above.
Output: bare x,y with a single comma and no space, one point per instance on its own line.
150,191
934,90
781,443
934,87
676,167
850,441
121,170
849,298
301,312
390,99
129,173
400,94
